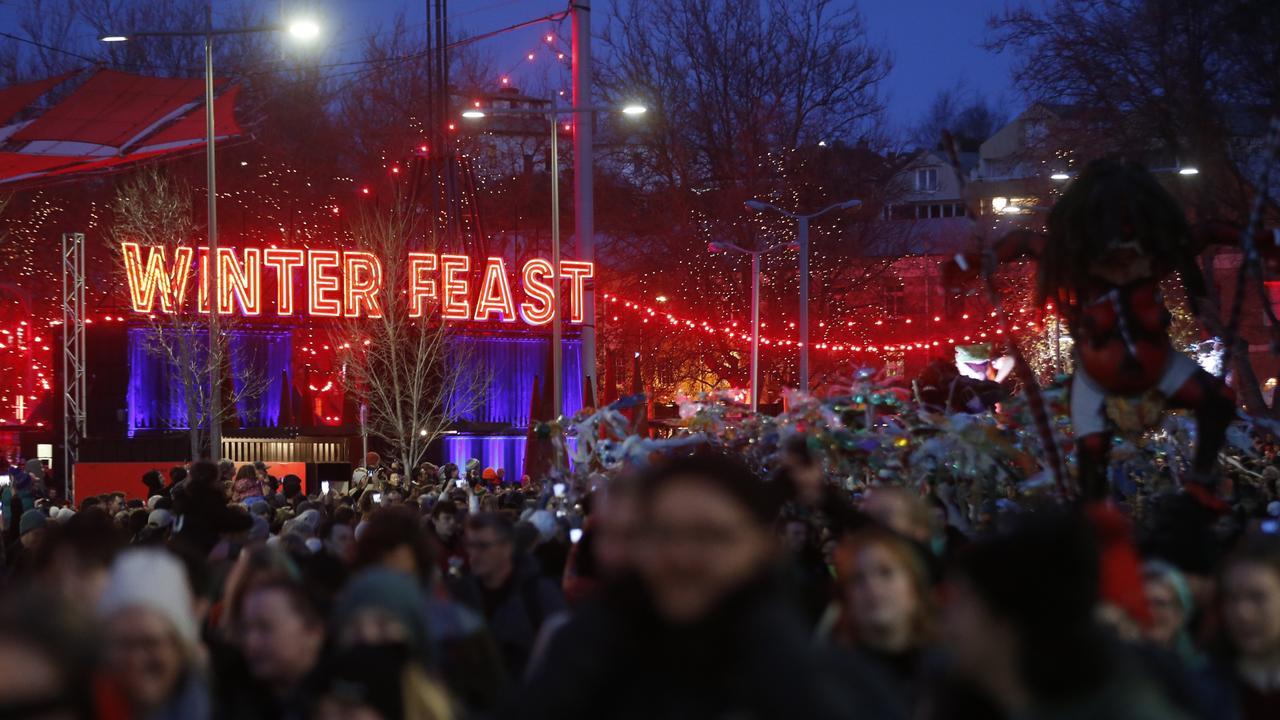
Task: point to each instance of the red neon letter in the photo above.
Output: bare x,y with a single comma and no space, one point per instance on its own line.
454,303
323,287
284,261
421,285
202,295
363,279
578,273
241,280
495,293
535,275
146,279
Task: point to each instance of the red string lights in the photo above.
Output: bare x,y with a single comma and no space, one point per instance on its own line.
742,331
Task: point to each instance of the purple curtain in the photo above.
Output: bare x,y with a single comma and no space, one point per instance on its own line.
513,361
157,399
495,451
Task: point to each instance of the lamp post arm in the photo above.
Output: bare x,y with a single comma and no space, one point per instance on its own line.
214,32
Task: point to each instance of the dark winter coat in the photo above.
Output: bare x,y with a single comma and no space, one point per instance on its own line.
515,612
751,658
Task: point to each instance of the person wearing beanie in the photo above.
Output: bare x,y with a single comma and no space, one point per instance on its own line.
304,524
1171,606
151,648
397,602
35,470
20,555
31,526
160,519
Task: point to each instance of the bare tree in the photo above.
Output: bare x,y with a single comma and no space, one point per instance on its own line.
731,82
404,364
154,211
388,106
970,117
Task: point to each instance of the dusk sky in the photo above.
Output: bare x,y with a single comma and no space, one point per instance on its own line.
934,43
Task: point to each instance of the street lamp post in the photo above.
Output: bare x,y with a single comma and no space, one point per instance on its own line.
803,220
302,29
755,309
553,118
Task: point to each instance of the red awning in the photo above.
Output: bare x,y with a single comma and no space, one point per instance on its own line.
15,98
190,130
112,108
110,163
113,119
14,166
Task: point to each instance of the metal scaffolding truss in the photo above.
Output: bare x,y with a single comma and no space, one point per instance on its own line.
73,354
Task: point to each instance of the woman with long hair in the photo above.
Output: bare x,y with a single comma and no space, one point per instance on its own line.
886,608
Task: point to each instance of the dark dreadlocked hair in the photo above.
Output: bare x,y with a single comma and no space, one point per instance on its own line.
1113,199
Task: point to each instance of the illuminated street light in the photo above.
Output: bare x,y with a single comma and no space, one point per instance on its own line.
304,29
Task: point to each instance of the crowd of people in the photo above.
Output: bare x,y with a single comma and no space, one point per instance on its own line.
691,588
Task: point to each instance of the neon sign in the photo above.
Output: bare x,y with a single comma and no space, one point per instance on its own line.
349,283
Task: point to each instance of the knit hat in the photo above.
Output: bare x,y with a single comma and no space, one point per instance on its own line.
489,474
34,467
155,580
160,518
305,524
31,520
261,528
393,593
1172,575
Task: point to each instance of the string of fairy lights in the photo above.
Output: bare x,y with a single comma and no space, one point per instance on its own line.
982,331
